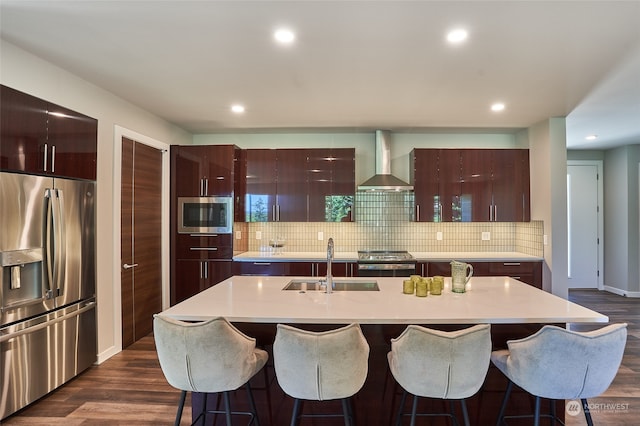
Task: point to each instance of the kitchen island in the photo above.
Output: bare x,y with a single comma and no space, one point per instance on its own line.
493,300
256,304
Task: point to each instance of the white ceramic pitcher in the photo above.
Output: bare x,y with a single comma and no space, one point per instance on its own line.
460,274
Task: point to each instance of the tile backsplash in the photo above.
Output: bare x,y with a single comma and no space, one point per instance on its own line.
524,237
385,221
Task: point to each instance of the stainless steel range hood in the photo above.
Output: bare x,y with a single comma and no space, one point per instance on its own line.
383,180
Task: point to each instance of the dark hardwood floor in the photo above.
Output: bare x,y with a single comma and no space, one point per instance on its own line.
129,388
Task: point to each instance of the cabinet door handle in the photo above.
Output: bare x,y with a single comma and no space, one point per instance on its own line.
127,266
490,213
417,212
203,248
511,264
495,212
53,158
206,187
46,151
262,263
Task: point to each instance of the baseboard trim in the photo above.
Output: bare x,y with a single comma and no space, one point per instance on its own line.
619,292
105,355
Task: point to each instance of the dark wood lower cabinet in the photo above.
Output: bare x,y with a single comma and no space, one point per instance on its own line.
193,276
527,272
294,269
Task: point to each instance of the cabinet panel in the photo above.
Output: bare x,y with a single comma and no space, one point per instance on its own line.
202,246
299,185
23,131
425,180
476,185
527,272
72,143
331,184
260,198
291,185
193,276
511,185
40,137
471,185
449,186
480,269
260,268
205,170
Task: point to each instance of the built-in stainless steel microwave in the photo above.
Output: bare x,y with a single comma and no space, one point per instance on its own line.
205,215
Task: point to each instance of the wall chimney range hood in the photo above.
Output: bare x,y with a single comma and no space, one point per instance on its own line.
383,180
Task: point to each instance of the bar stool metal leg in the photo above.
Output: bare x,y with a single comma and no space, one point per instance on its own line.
183,396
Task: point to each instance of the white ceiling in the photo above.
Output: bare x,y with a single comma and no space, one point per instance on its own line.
355,65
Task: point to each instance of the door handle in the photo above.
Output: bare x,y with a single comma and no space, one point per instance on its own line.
127,266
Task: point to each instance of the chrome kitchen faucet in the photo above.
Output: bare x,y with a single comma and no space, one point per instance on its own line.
330,251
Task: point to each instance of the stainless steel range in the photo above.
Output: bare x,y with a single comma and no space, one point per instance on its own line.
385,263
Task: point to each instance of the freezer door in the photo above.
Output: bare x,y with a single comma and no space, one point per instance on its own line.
39,355
23,293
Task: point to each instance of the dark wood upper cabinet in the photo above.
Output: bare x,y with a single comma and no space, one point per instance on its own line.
471,185
206,170
476,185
511,185
449,185
261,185
331,184
43,138
291,185
424,175
299,185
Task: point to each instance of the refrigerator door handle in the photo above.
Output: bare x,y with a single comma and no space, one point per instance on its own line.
55,244
48,243
40,326
61,243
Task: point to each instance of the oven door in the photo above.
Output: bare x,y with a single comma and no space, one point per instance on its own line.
396,269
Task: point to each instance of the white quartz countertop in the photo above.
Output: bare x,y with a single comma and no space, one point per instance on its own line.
509,256
498,300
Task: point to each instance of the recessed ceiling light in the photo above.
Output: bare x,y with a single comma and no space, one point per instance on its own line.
238,109
498,106
591,137
457,36
284,36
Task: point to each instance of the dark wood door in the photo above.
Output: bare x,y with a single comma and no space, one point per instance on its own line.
141,275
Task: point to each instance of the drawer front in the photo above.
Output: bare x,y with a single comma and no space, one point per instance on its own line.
260,268
210,246
510,268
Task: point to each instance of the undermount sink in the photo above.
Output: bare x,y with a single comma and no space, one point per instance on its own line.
338,285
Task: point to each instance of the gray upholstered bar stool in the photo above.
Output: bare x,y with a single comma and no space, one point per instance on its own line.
556,363
440,364
320,366
209,357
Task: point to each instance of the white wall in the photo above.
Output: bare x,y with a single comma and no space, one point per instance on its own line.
548,161
25,72
622,228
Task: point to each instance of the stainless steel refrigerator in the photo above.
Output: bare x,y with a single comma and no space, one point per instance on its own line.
48,275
